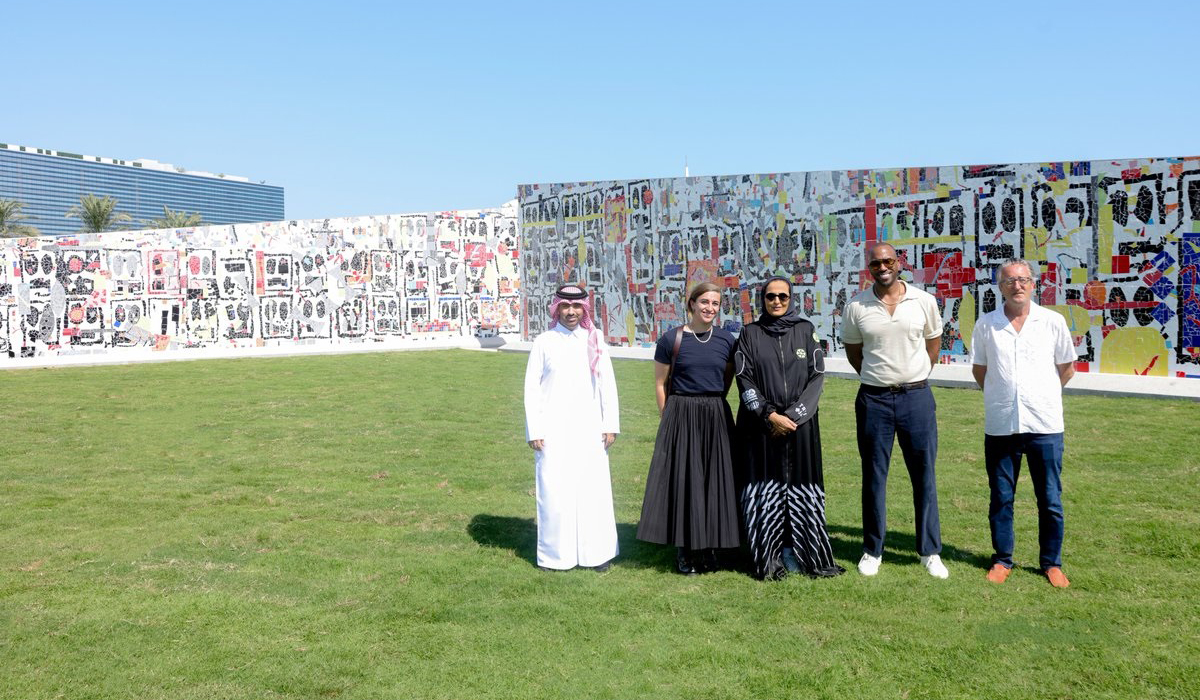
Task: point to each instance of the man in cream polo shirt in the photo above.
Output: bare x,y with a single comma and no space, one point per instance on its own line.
1022,356
893,334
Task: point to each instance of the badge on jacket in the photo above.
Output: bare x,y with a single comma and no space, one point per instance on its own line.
800,353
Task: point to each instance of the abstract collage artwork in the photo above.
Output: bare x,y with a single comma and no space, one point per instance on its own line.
1116,244
370,279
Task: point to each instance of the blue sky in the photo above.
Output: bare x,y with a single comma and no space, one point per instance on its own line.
373,108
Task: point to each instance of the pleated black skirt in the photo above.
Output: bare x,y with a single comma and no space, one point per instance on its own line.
691,498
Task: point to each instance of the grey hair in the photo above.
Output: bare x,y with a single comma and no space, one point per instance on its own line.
1017,261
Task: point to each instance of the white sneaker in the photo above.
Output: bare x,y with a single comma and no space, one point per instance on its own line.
869,565
933,564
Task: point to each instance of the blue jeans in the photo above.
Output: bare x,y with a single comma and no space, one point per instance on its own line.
882,417
1002,454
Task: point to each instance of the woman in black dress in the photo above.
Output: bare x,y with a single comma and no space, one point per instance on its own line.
691,498
780,374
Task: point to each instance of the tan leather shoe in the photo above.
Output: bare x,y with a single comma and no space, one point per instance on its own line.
1057,578
998,573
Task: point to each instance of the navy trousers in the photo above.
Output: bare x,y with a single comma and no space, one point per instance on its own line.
1002,455
883,416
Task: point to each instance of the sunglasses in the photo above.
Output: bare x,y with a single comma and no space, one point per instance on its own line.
884,262
781,296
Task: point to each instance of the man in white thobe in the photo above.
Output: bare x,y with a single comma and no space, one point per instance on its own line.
571,418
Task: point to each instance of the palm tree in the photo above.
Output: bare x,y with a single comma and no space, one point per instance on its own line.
97,214
10,215
175,219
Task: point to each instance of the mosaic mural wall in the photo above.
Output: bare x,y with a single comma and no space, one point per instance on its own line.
1117,243
331,281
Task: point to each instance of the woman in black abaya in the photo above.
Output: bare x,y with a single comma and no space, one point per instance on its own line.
780,374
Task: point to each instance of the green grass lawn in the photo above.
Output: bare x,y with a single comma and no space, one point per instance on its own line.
361,526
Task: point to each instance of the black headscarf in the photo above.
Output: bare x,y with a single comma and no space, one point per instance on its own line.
777,325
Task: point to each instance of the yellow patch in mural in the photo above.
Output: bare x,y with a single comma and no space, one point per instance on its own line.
1105,216
1060,187
1066,242
1106,244
932,240
1134,351
830,253
1035,239
1078,321
966,318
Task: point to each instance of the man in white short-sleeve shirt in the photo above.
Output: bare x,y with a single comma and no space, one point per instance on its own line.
1022,355
893,335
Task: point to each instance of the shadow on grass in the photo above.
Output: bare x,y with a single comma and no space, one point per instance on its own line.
506,532
899,547
520,536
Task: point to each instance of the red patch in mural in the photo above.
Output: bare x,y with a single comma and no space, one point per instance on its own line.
477,254
665,311
1049,285
946,271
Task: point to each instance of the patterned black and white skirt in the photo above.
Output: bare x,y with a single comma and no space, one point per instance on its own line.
691,498
783,501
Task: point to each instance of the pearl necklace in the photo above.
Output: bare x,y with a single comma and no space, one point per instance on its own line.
697,335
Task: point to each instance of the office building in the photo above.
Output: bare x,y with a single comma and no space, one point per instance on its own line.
50,182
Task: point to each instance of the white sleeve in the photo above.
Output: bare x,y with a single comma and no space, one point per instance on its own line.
933,319
610,410
851,333
535,428
979,344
